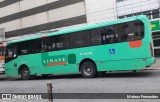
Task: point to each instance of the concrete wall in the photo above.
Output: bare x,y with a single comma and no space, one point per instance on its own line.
133,6
100,10
28,4
19,15
11,9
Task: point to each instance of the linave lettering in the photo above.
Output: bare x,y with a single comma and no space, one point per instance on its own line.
54,60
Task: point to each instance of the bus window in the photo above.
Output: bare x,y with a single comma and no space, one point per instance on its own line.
109,35
131,31
53,43
24,48
30,47
45,45
96,38
139,33
35,46
80,39
60,42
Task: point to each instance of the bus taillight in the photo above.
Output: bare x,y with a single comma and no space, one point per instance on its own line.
151,48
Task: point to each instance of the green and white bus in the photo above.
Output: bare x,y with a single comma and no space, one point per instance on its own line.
124,44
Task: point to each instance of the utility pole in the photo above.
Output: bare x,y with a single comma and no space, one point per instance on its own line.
49,88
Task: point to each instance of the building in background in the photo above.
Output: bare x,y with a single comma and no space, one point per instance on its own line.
29,17
26,17
100,10
155,24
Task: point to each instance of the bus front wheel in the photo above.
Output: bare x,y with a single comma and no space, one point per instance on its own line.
25,74
88,70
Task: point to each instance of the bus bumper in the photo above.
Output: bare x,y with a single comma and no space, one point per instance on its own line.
151,61
11,72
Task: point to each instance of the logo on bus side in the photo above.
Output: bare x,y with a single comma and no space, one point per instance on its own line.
112,51
53,60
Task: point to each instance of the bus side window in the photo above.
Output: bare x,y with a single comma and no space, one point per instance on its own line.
109,35
96,38
62,42
59,45
35,46
45,45
139,26
53,46
24,48
80,39
123,32
131,31
53,43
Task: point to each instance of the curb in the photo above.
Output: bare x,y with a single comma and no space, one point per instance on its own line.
152,69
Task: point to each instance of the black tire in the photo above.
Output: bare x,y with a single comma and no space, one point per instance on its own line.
25,74
88,70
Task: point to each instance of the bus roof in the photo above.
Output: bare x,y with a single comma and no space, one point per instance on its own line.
80,28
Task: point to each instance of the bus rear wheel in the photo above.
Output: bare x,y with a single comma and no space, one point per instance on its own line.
25,74
88,70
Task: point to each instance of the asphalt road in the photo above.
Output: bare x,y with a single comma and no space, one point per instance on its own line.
143,81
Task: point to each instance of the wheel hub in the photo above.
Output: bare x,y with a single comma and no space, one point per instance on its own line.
88,70
25,73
